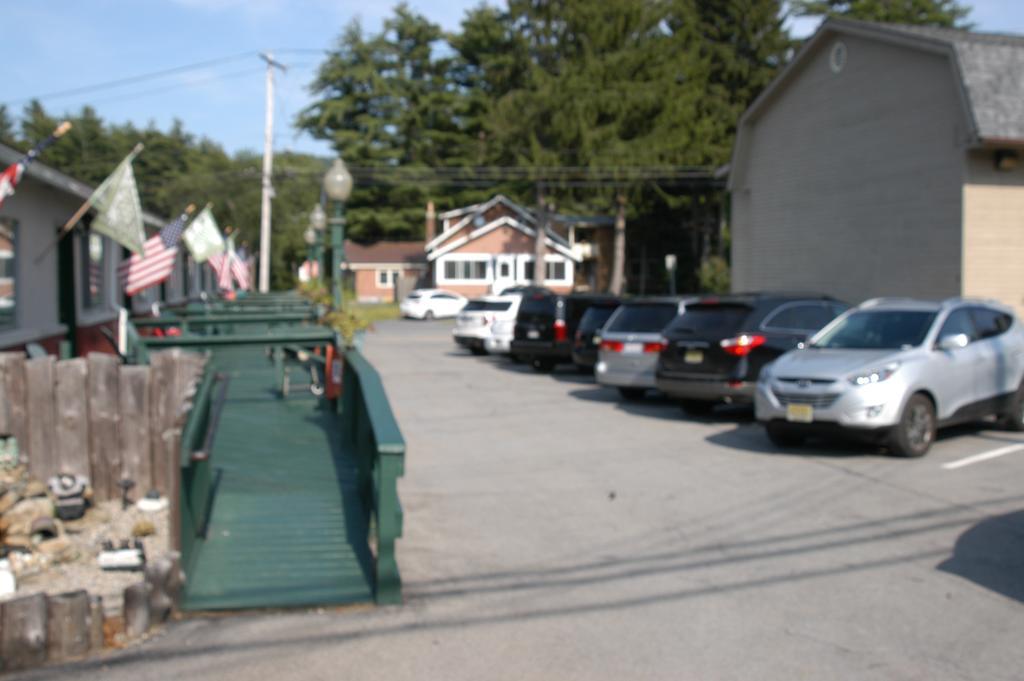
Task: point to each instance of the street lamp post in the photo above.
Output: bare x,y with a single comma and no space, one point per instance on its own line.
310,238
318,221
338,187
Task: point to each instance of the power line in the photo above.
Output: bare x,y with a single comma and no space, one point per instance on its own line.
135,79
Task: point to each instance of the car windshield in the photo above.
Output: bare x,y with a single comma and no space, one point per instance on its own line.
594,318
709,320
486,306
643,318
877,330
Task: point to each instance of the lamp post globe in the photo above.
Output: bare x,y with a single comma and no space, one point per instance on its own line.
310,236
338,181
318,218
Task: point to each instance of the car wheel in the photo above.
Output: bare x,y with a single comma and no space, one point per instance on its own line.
632,394
1012,418
477,351
543,365
428,315
697,407
783,436
915,433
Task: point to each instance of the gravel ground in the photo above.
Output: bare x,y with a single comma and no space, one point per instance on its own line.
105,521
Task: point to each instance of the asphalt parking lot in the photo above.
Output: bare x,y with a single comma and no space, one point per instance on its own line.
554,532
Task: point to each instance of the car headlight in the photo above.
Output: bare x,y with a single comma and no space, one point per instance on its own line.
874,375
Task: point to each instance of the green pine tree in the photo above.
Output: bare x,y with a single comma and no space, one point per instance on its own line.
944,13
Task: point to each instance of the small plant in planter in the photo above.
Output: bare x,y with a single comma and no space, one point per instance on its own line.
350,326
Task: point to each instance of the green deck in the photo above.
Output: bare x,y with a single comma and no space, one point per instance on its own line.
287,528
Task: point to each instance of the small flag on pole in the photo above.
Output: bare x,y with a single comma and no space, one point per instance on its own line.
203,237
120,213
10,178
139,273
222,268
240,271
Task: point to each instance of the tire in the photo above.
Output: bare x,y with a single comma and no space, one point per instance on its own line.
1012,418
914,434
543,365
477,351
428,315
697,407
632,394
782,436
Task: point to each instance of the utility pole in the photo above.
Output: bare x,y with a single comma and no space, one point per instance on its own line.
268,167
619,255
539,247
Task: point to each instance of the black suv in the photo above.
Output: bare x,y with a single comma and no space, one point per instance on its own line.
587,338
717,347
546,324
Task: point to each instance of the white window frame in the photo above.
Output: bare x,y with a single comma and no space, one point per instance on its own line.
488,260
12,255
390,277
566,281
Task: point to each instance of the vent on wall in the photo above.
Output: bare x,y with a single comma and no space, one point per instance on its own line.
837,57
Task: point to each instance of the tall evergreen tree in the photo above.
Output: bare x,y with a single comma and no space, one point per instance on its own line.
943,13
7,135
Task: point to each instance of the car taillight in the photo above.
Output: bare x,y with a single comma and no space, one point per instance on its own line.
612,346
655,347
561,332
742,345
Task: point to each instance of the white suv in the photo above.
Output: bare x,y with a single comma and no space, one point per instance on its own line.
487,324
894,370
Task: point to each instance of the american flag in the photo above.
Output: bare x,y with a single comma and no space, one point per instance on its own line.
160,253
240,270
10,178
221,267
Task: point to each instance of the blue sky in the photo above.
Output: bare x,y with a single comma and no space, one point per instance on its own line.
57,45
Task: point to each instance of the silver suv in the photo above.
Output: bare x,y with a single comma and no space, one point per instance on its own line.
894,370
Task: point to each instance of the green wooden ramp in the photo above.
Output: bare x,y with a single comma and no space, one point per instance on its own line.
287,528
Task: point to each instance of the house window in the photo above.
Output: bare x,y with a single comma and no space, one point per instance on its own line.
466,270
505,270
8,272
386,278
93,274
528,271
555,270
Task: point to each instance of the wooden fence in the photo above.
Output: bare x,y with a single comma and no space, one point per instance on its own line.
100,418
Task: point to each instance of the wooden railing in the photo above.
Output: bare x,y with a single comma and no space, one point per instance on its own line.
369,428
196,482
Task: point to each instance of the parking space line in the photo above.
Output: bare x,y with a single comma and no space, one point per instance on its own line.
984,456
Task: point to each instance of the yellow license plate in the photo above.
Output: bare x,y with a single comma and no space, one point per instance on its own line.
800,413
693,357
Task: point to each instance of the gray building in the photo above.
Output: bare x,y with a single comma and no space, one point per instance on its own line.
884,161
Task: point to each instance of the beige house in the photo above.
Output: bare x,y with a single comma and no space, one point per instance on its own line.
384,271
488,247
884,161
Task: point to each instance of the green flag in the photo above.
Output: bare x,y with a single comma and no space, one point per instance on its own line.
120,213
203,237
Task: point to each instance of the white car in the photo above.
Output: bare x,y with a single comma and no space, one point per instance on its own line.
487,324
432,303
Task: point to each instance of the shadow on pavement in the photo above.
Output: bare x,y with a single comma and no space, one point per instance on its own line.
750,437
991,554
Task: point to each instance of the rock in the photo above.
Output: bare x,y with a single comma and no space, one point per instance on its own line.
19,519
28,564
34,488
58,550
45,528
18,541
8,500
143,528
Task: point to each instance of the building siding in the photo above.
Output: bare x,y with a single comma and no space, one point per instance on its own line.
993,226
368,290
850,182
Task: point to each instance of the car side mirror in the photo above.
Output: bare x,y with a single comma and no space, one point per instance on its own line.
954,341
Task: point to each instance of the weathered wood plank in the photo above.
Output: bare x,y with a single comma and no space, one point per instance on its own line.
161,410
104,445
23,632
136,453
67,626
16,393
5,401
136,609
73,417
40,380
172,463
95,623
